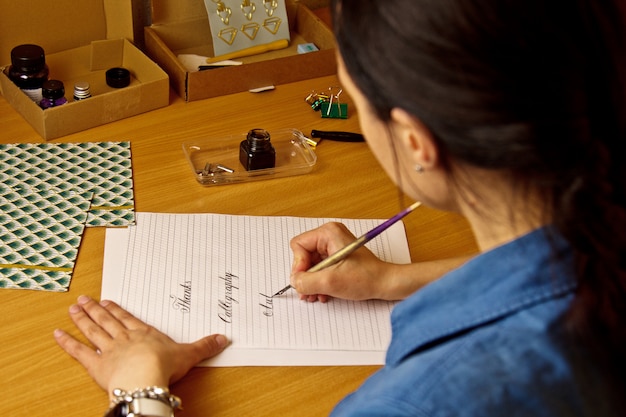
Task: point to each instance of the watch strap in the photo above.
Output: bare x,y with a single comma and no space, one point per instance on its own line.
140,407
148,402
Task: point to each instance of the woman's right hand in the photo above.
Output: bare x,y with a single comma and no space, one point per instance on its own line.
361,276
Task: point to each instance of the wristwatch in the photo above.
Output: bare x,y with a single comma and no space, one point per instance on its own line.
150,401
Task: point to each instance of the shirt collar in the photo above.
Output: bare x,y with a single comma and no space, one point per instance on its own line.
506,279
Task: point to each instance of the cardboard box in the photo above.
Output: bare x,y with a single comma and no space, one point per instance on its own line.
81,40
182,27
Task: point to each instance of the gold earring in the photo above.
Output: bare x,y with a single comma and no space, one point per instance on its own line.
250,30
271,24
222,11
270,6
228,35
248,8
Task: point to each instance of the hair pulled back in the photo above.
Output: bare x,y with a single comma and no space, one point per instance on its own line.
535,88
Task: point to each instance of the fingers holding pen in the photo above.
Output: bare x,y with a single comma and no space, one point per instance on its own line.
307,286
311,247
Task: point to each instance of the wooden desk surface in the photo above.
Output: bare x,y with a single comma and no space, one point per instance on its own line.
38,379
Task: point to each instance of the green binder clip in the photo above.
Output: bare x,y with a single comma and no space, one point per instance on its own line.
334,110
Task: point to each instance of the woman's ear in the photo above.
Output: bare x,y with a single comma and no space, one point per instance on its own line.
415,138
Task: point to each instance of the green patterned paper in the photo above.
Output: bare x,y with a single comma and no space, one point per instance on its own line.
103,168
40,233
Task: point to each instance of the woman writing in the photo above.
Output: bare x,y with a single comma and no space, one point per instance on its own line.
512,113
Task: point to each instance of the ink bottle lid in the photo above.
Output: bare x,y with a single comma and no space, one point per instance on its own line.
28,69
82,90
53,92
117,77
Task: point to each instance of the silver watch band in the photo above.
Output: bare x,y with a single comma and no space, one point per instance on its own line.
146,402
151,407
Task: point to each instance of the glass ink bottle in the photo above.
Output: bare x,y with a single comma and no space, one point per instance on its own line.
82,90
256,151
53,92
28,69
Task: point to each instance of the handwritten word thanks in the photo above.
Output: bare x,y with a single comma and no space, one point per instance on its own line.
226,305
183,303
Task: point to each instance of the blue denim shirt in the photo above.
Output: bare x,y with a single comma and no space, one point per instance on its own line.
487,340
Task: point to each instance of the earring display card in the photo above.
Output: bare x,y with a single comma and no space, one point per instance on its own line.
216,161
241,24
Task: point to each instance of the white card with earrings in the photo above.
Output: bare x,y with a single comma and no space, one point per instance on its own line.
241,24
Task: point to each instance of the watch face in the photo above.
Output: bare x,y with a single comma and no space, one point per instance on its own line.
119,410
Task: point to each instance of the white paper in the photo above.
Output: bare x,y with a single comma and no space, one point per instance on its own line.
191,275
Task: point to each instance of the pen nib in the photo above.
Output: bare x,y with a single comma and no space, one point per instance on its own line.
281,292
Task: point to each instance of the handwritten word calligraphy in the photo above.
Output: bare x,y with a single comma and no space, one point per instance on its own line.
226,305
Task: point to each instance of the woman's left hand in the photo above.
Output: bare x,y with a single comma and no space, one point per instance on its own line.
128,353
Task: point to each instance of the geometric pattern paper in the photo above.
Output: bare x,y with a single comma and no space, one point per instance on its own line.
103,168
40,232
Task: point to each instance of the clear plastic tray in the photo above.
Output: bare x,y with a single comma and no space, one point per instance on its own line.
294,156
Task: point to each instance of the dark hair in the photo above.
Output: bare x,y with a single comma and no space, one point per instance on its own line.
533,88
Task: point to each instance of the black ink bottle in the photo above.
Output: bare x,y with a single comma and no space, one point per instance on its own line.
53,92
256,151
28,70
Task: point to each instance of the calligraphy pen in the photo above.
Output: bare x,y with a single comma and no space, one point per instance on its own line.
342,254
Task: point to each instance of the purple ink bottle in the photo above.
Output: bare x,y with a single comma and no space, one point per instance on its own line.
53,92
28,69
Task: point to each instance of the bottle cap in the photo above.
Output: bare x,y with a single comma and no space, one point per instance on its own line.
259,140
28,58
53,89
82,90
118,77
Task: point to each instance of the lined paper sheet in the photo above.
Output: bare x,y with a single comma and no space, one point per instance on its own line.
192,275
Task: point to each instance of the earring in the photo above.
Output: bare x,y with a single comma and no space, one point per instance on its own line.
228,35
419,169
272,24
270,6
250,30
248,8
222,11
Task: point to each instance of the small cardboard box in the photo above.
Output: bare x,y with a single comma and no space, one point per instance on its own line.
81,40
182,27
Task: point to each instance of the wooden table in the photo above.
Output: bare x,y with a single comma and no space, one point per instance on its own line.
39,379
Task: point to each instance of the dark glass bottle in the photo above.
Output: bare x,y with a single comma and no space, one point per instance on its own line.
28,70
256,151
53,92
